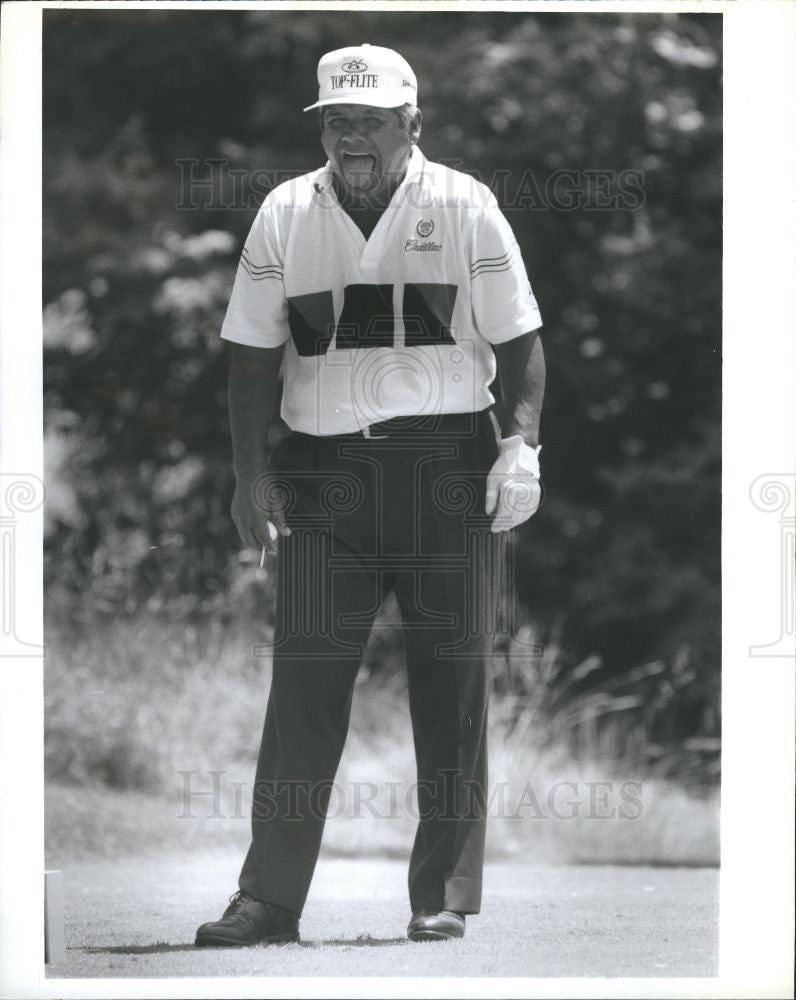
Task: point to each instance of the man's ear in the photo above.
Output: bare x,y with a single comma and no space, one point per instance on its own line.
415,127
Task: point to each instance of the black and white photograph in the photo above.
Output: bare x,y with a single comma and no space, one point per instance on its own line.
393,430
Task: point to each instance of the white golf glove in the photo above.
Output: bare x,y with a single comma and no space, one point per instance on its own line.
513,489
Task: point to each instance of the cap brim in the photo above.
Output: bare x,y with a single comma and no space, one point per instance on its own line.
369,99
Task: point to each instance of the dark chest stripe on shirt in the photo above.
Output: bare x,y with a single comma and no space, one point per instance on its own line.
311,321
367,318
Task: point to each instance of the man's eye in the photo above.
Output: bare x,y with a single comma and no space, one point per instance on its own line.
373,122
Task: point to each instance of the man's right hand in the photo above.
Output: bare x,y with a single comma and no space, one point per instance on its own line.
258,502
253,389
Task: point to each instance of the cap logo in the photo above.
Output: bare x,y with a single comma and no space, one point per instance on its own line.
353,76
425,228
366,74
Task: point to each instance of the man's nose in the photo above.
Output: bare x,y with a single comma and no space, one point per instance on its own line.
354,130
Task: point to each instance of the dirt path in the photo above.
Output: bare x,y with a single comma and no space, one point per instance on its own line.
136,918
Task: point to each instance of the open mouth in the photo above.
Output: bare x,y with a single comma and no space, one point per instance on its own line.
358,167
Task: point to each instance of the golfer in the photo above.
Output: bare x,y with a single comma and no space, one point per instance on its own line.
385,293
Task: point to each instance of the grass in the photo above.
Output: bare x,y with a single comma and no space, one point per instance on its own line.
140,714
136,917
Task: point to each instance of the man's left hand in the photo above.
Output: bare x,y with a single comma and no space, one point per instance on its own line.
513,486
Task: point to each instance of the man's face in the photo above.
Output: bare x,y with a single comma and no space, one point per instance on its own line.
368,148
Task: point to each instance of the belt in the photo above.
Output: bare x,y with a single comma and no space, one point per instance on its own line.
368,433
434,425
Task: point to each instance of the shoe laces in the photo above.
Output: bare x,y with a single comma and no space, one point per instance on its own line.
236,903
253,915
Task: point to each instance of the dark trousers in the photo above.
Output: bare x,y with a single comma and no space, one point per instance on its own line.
403,513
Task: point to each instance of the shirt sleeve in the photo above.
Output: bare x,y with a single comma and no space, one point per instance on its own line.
502,301
257,311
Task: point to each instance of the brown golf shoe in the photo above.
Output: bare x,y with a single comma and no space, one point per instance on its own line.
247,921
426,925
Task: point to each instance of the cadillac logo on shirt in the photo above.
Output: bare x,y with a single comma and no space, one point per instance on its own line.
424,229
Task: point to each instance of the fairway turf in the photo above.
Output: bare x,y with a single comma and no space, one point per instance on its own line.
137,918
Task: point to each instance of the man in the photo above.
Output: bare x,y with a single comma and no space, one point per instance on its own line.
387,289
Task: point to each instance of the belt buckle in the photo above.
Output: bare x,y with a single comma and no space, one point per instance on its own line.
366,432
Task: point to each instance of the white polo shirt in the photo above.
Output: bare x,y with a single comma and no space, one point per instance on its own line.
400,324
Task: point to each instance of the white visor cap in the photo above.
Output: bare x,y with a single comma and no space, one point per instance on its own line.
365,74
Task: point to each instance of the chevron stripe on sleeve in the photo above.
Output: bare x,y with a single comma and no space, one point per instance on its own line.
258,272
492,265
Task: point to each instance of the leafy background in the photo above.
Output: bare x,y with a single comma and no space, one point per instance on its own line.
618,574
